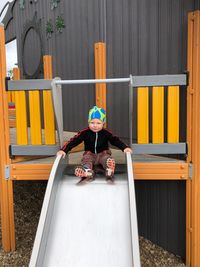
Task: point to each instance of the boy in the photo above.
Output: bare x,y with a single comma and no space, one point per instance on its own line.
97,151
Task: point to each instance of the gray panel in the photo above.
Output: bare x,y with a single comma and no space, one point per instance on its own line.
165,148
38,84
159,80
34,150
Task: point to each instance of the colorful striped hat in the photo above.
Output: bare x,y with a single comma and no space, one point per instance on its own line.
97,113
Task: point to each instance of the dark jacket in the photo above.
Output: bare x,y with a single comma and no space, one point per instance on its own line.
94,142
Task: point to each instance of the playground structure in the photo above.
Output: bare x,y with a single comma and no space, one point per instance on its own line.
178,170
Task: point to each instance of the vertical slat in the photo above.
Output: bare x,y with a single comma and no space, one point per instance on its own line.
100,73
13,96
158,115
143,115
9,97
6,193
173,114
49,122
35,119
21,113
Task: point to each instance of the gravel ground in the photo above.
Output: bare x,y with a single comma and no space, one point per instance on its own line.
28,197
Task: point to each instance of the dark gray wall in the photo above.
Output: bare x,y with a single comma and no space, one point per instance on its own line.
142,37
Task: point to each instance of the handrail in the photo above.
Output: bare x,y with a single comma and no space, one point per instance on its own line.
133,213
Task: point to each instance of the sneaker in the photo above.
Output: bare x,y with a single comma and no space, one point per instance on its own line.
110,168
81,171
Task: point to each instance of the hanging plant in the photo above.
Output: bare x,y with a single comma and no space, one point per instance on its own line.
21,4
60,23
49,29
54,4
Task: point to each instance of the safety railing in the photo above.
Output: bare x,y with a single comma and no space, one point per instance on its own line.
31,105
157,85
143,85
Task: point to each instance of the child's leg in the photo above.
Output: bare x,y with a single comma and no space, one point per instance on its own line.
86,168
108,163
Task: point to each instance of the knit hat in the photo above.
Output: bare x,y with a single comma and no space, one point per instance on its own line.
97,113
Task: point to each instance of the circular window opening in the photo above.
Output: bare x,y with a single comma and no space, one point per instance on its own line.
32,53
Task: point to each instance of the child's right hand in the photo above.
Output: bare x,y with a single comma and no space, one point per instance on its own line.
62,153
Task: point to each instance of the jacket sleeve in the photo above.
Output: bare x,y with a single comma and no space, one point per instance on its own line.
116,141
73,142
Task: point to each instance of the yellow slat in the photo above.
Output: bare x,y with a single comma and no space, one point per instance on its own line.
49,122
9,97
158,115
35,119
13,97
21,113
173,114
143,115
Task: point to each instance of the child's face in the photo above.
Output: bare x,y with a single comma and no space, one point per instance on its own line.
96,125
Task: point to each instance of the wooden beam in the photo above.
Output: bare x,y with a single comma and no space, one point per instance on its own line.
193,140
6,190
160,171
30,171
142,171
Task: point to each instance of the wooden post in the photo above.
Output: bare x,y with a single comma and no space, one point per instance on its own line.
6,186
193,140
100,73
49,122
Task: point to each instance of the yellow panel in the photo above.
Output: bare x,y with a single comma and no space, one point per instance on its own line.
35,120
143,115
173,115
49,122
158,115
21,113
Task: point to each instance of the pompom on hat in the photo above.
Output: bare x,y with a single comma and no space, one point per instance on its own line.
97,113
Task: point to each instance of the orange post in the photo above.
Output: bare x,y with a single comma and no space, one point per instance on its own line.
100,73
193,140
6,186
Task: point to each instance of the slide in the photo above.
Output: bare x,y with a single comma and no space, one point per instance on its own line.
90,225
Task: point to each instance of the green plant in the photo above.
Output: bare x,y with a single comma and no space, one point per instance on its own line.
60,23
49,29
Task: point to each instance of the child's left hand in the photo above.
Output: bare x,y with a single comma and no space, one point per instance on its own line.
128,149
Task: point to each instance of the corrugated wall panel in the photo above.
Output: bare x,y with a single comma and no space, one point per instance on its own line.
161,213
155,43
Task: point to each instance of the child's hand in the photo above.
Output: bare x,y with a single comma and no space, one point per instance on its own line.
62,153
128,149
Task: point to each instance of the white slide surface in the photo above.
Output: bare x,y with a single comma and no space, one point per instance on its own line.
88,225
